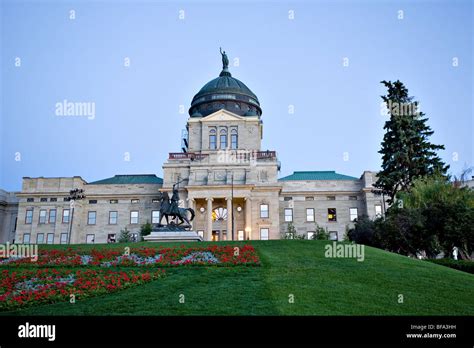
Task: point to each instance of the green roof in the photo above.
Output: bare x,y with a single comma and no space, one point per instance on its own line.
129,179
317,175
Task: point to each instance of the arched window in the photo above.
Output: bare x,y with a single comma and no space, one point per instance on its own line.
234,139
212,139
219,214
223,139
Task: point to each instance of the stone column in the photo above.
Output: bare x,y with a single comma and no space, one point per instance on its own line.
248,218
192,205
229,218
208,234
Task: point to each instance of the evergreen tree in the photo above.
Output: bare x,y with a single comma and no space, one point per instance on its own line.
406,151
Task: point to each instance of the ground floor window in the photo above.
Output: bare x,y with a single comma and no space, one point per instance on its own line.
332,235
90,239
240,235
155,217
63,238
353,214
378,210
40,238
26,238
310,235
134,237
264,234
111,238
50,239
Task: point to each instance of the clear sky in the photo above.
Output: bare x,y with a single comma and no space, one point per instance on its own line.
283,61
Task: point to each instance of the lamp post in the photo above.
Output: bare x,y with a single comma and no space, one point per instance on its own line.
74,195
232,204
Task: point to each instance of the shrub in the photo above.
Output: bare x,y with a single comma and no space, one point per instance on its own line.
321,233
146,229
125,236
461,265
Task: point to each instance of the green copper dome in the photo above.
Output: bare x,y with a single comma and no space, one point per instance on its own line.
225,92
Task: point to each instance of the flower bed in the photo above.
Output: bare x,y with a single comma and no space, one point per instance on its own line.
25,287
142,256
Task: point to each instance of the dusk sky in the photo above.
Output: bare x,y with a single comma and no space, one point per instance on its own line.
290,54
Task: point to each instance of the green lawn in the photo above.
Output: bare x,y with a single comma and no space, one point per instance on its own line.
320,286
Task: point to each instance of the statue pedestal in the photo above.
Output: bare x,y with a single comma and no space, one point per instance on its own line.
173,236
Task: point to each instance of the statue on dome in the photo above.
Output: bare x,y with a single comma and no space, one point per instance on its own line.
225,60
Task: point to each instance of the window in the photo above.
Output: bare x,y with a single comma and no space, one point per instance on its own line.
66,199
286,199
134,237
30,200
155,201
155,216
353,214
233,139
332,235
42,217
310,214
40,238
53,199
223,139
50,239
378,211
135,201
63,238
91,217
26,238
29,216
212,139
113,215
309,198
310,235
113,201
65,216
111,238
92,201
353,198
134,217
240,235
201,233
43,199
90,239
264,234
264,211
332,214
288,215
52,216
331,198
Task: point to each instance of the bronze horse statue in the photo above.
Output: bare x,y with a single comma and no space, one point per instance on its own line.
171,209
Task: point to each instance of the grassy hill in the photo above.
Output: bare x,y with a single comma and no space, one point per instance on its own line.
320,286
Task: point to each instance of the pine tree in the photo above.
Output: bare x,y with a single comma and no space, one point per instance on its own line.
406,151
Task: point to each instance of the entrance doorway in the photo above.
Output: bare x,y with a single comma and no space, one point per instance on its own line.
218,235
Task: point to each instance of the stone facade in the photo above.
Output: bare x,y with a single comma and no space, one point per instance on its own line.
8,216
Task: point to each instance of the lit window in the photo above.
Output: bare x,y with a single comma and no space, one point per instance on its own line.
26,238
353,214
65,216
155,217
288,215
378,210
135,201
91,217
90,238
52,216
29,216
134,217
332,214
113,201
42,217
240,235
223,139
264,234
50,238
219,214
113,215
234,140
212,139
264,211
310,235
63,238
40,238
310,215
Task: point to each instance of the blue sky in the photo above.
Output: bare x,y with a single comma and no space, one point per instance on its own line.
283,61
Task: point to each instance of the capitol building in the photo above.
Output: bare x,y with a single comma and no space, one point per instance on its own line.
222,173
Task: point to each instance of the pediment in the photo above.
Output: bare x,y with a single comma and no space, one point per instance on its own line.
222,115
